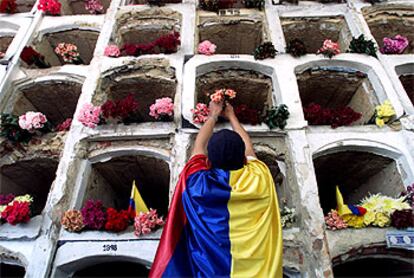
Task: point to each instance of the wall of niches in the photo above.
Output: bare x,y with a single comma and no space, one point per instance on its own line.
64,168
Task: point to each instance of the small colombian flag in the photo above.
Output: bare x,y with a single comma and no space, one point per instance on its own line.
136,203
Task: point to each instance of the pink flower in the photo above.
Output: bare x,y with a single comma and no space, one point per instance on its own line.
94,6
329,49
334,222
230,93
112,50
144,223
218,96
395,45
68,52
200,113
89,115
32,120
163,107
64,126
206,48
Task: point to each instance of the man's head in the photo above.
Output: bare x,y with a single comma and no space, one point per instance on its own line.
226,150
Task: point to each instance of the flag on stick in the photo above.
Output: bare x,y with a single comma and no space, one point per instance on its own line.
136,203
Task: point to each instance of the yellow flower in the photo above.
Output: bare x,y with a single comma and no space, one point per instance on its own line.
385,110
24,198
379,122
381,220
369,218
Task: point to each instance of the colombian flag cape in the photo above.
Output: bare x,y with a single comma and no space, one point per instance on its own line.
221,223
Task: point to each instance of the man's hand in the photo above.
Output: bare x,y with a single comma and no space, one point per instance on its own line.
215,108
229,112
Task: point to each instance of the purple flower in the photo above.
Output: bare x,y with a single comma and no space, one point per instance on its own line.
5,199
395,45
94,215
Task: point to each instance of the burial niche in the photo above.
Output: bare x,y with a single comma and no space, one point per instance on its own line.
320,28
336,88
111,181
236,34
11,270
34,177
55,98
389,21
113,269
358,174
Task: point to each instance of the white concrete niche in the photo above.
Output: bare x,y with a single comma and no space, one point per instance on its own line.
146,78
334,28
77,7
255,83
391,20
143,25
237,33
405,74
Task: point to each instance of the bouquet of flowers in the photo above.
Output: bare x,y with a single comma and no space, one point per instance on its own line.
395,45
247,115
8,6
277,116
223,95
288,217
206,48
15,210
30,56
112,51
329,49
69,53
296,48
147,222
264,51
162,109
164,44
51,7
408,194
94,6
72,220
363,46
335,222
123,110
384,113
117,221
94,215
344,116
200,113
89,115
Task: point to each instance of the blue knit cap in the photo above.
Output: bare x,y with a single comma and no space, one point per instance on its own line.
226,150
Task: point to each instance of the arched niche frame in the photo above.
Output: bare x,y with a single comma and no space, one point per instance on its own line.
33,176
8,31
360,168
405,73
108,176
365,88
387,262
69,261
255,82
83,34
55,95
146,78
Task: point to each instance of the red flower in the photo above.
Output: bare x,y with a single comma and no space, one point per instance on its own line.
247,115
51,7
29,55
18,212
64,126
120,108
117,221
316,115
8,6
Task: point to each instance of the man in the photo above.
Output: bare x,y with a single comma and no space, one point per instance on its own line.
224,217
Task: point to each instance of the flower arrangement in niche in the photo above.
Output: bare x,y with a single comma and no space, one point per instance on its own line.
247,115
89,115
384,113
395,45
112,51
30,56
165,44
69,53
264,51
288,217
402,219
94,215
276,116
8,6
296,48
329,49
223,95
17,210
206,48
363,46
94,6
10,129
31,121
72,220
200,113
145,223
117,221
50,7
334,222
162,109
120,111
317,115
